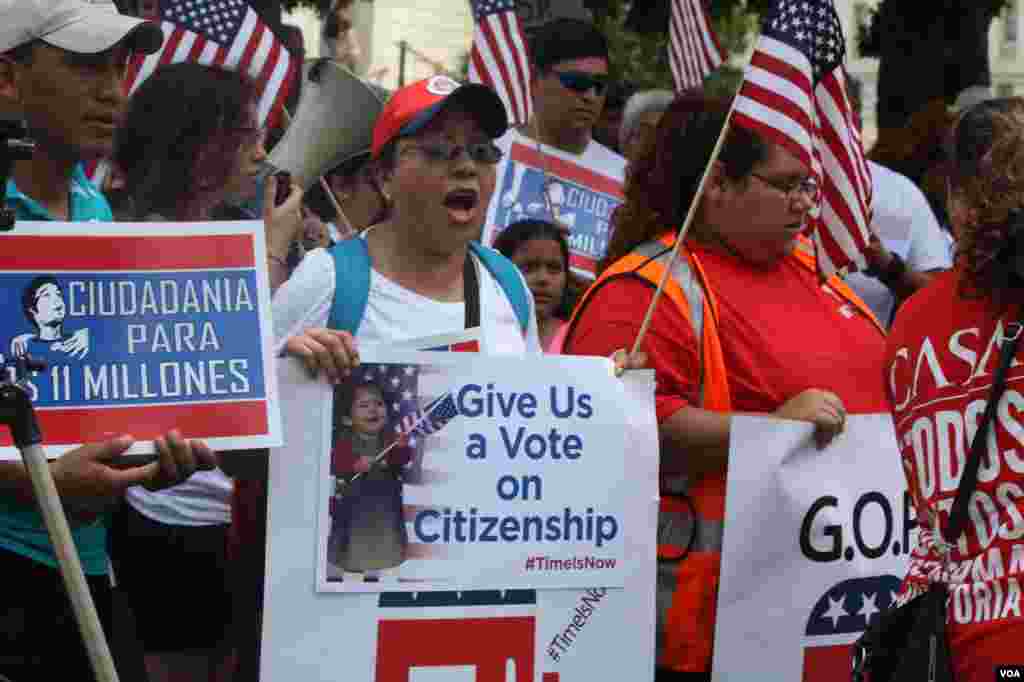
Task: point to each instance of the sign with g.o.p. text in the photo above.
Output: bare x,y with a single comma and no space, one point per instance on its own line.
816,545
142,328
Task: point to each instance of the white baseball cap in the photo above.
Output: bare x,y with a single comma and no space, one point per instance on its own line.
81,26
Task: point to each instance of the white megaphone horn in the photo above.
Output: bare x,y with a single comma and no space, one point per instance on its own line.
334,121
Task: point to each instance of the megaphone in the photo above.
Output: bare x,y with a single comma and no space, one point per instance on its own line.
334,121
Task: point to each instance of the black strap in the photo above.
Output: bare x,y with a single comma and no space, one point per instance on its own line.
471,292
969,480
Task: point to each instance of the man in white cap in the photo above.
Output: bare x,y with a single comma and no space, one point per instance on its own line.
61,65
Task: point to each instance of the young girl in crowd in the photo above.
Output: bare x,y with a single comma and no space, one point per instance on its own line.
540,250
189,142
367,529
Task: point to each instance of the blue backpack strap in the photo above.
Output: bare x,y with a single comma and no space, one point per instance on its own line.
507,274
351,284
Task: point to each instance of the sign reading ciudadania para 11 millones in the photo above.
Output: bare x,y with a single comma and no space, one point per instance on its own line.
143,328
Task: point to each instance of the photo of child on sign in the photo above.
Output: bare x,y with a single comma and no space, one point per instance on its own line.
377,446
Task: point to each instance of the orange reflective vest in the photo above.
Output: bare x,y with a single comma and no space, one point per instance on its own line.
691,513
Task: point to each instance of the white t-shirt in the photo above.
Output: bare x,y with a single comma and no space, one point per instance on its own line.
202,500
584,189
907,227
394,313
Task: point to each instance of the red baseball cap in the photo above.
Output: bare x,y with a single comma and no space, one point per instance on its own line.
414,106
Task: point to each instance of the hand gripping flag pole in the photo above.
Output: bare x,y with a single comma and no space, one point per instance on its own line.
17,413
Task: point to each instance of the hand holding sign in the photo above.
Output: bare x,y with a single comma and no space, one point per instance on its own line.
625,361
329,350
89,481
822,408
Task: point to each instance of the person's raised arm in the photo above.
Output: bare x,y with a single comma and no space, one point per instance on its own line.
282,225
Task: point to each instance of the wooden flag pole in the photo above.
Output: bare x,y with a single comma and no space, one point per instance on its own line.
18,414
681,237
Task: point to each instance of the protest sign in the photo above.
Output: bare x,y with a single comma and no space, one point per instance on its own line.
816,545
143,328
520,629
582,198
490,458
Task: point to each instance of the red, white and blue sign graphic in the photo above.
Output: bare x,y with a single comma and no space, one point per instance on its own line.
838,618
475,635
142,330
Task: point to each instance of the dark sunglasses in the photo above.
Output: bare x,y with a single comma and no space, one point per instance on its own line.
481,152
578,81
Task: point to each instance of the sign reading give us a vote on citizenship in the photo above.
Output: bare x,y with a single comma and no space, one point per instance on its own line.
511,541
143,328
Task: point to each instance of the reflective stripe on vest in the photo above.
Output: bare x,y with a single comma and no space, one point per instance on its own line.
689,544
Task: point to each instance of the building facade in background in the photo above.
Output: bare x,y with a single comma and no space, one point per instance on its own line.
412,39
437,35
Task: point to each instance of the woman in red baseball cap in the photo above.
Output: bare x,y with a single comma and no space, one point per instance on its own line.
435,161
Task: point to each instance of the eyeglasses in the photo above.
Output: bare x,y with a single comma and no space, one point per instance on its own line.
579,81
436,152
808,187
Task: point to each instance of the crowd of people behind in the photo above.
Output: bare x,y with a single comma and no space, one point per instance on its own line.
745,326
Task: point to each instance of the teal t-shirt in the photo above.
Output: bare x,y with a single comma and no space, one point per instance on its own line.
21,526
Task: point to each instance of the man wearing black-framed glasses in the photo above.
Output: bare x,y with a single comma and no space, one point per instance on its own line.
553,169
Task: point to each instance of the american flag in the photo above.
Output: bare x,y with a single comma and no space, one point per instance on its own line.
433,417
499,57
794,94
693,47
226,33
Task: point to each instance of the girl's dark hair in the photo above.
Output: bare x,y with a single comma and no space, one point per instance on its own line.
986,175
522,231
347,395
181,135
663,181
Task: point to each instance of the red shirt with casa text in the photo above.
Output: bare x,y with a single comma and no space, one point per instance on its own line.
941,354
781,333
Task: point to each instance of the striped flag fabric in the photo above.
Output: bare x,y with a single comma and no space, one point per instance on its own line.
794,94
225,33
693,48
433,417
499,57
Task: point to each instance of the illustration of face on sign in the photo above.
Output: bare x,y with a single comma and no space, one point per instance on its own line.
45,310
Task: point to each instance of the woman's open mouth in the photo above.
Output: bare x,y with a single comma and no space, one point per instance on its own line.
462,204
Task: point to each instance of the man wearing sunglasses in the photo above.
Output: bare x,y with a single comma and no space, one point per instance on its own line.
553,168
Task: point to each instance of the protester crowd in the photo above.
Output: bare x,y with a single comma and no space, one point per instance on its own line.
744,327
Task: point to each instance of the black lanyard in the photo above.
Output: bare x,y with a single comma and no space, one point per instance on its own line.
471,292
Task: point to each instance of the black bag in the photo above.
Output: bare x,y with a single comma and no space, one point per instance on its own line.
908,644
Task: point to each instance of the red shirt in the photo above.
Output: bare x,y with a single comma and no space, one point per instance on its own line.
941,355
781,333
